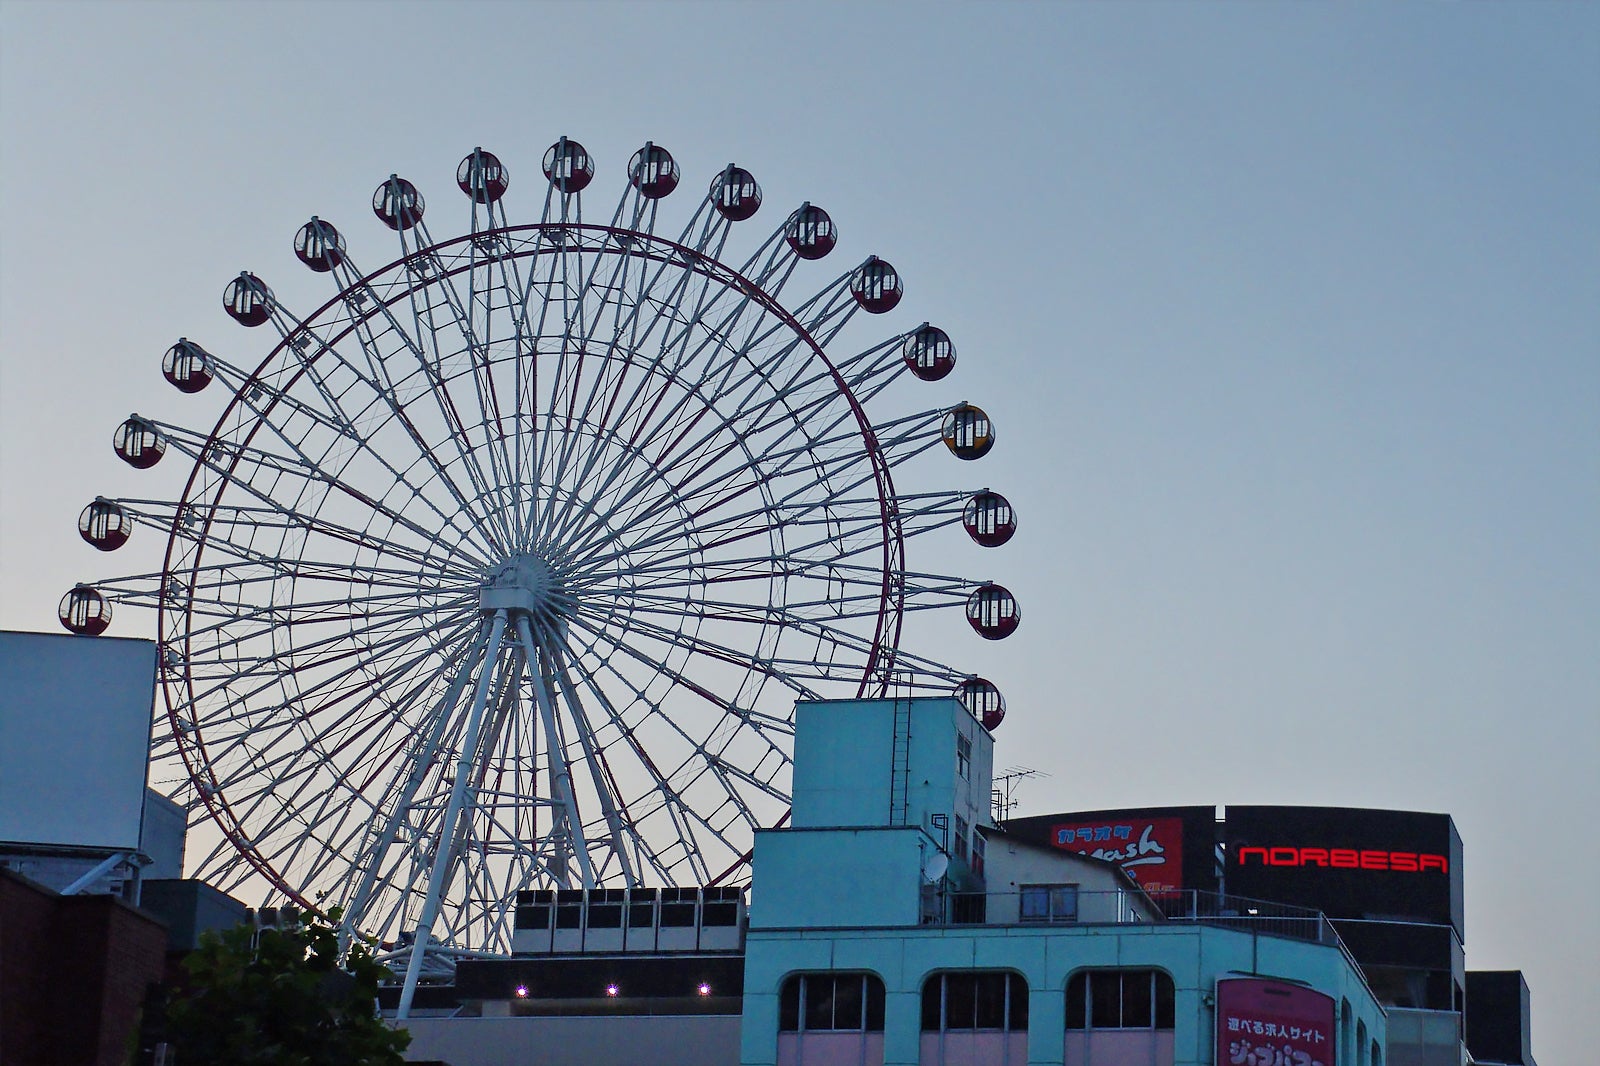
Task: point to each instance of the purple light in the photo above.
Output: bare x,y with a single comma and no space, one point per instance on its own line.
522,991
705,989
612,990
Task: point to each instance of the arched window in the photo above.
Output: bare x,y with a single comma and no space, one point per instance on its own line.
975,1016
1123,1016
830,1019
1120,999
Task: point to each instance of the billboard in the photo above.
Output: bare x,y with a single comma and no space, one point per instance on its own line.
74,739
1164,849
1398,866
1271,1023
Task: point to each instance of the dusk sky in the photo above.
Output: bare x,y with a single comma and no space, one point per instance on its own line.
1288,316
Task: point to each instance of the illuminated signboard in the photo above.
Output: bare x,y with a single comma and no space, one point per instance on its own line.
1346,859
1150,850
1349,863
1269,1023
1164,849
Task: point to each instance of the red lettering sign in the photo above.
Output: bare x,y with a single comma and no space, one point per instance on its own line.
1150,850
1343,859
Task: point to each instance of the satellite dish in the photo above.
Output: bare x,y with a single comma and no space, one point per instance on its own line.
934,871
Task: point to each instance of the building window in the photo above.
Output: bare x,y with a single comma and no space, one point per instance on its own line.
977,854
964,756
831,1002
975,999
959,847
1049,903
1119,999
974,1016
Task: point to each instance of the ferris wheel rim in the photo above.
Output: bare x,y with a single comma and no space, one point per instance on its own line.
175,625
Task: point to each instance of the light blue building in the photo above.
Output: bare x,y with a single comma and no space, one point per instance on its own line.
890,923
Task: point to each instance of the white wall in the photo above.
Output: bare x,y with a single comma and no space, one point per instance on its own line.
74,738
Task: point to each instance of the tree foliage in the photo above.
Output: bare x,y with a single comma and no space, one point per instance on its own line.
282,997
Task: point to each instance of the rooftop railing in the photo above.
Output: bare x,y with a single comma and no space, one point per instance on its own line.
1048,905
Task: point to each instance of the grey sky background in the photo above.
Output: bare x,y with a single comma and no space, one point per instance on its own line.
1287,316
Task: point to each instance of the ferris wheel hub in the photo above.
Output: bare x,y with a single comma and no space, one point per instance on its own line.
524,584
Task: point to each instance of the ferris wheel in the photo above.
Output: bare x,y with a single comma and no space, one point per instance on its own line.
505,566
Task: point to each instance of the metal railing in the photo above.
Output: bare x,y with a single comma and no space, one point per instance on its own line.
1018,908
1122,906
1249,915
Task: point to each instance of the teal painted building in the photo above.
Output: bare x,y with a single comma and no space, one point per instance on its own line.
891,923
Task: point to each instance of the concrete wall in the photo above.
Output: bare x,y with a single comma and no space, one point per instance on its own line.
844,761
1194,956
838,877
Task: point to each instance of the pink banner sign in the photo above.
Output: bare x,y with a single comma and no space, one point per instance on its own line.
1269,1023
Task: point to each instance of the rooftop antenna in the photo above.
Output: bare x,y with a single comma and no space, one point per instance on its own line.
1002,797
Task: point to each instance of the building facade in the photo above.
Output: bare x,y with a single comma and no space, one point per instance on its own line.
890,923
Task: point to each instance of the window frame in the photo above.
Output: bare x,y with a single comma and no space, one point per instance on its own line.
1159,999
870,990
1013,1005
1064,893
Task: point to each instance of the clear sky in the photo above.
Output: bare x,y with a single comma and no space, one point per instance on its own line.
1287,315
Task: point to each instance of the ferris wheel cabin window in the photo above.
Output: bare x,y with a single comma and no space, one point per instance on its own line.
830,1019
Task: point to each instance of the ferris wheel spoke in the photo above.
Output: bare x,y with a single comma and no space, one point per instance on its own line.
799,673
223,459
613,807
236,623
524,394
825,459
371,859
712,466
643,853
669,366
224,519
625,307
698,645
267,666
846,527
622,377
388,388
429,326
571,833
662,796
837,535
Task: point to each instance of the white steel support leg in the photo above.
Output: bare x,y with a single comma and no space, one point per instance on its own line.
402,809
447,831
558,761
596,770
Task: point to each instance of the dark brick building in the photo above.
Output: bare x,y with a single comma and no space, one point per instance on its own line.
74,973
